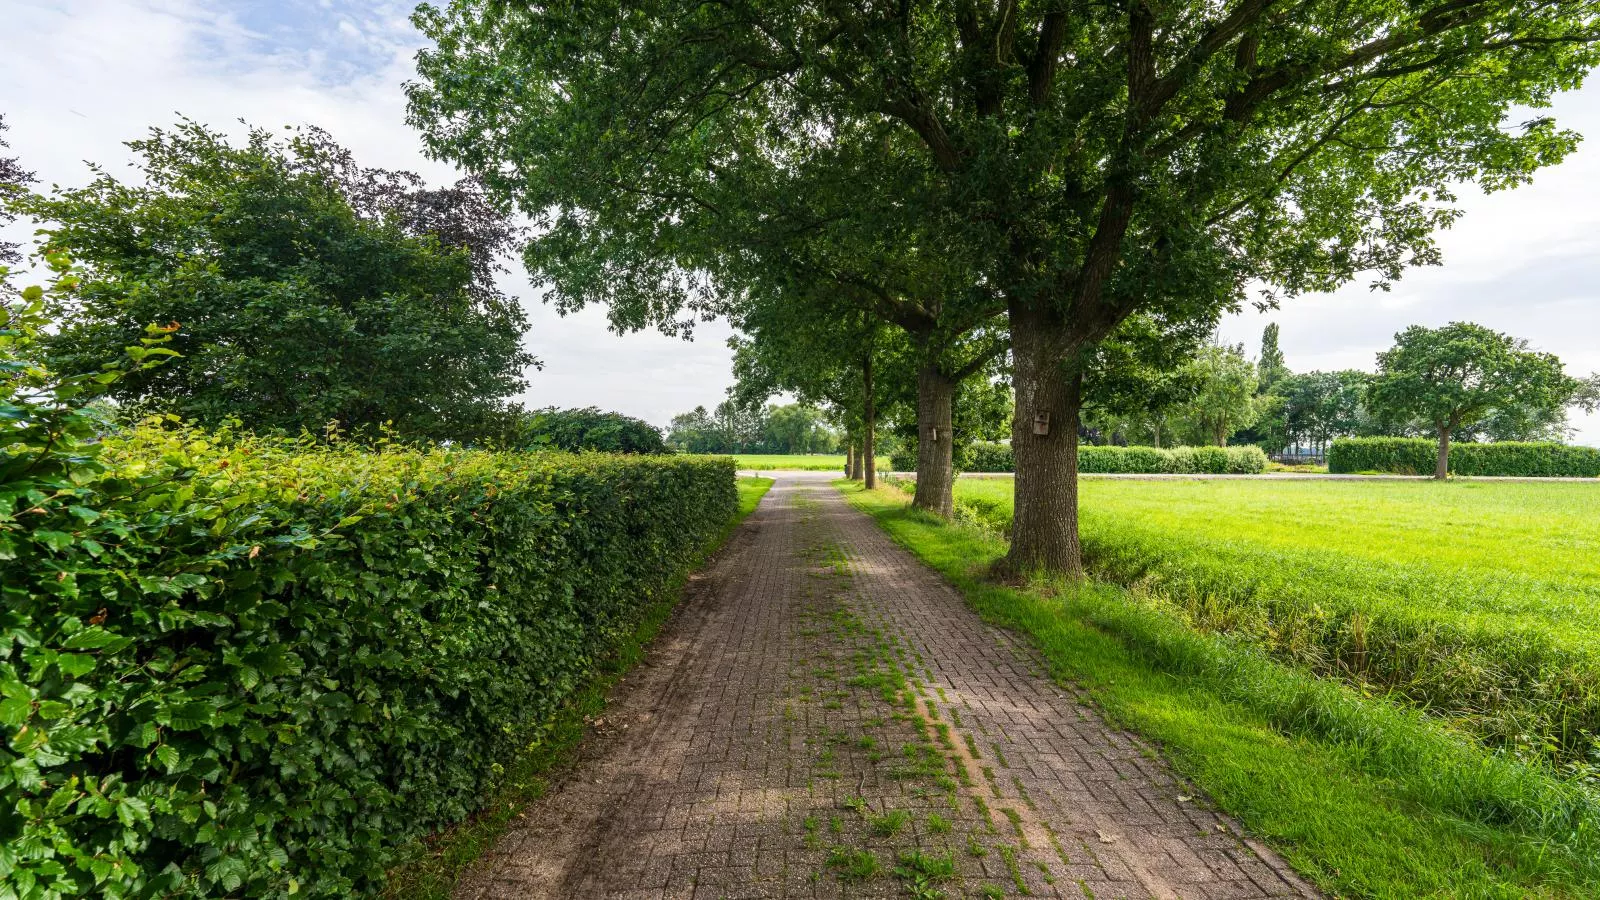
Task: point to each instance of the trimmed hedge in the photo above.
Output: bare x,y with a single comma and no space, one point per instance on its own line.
1418,456
1246,460
253,668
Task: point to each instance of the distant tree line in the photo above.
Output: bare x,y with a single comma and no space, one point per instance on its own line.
732,427
575,430
1459,382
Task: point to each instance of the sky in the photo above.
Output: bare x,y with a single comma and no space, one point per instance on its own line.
80,77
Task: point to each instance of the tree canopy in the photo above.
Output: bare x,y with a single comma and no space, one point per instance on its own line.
304,289
588,428
1270,366
13,180
735,427
1461,373
1091,161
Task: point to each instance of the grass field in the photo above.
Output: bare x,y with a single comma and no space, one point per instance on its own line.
811,462
1479,601
1361,790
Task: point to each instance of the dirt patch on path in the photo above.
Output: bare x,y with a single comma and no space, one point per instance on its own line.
824,717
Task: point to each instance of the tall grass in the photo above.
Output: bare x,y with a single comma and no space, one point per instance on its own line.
1475,602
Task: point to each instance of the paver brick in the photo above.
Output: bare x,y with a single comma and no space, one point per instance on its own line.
814,695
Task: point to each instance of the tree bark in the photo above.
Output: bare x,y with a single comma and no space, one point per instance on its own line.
935,442
852,461
1441,469
869,450
1044,530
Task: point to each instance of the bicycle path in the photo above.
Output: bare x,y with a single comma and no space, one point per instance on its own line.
824,717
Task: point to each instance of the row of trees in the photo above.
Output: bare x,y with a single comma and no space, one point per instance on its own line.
1519,394
733,427
1459,382
1082,185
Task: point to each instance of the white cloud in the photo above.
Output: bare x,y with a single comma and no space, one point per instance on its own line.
79,77
1525,262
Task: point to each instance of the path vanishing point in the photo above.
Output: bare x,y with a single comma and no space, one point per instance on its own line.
823,717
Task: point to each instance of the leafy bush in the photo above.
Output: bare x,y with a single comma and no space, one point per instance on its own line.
589,428
904,458
990,456
1247,460
1417,456
244,667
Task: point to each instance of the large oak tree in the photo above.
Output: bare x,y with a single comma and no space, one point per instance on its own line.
1098,159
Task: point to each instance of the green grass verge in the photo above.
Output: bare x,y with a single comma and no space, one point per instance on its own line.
1366,797
1475,600
807,462
430,870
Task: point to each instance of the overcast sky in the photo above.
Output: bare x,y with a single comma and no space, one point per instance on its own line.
79,77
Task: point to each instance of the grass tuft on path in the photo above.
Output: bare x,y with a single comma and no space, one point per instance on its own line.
432,867
1365,797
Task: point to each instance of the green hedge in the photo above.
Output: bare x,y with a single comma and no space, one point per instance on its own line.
1247,460
1417,456
237,667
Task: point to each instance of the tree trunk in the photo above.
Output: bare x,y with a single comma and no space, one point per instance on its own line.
849,457
1156,431
1044,445
869,449
1441,470
935,443
853,458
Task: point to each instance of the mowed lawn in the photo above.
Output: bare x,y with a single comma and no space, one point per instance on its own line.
1478,601
1548,534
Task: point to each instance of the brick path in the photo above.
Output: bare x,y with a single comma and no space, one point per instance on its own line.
824,717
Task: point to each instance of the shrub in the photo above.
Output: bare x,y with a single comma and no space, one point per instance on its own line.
575,430
990,456
244,667
904,458
1416,456
1247,460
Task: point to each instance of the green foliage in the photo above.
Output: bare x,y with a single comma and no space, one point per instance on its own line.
1083,163
1225,400
1417,456
787,430
1270,368
1364,796
306,290
853,865
1380,595
1246,460
430,869
244,666
13,178
1458,375
1319,406
796,428
589,428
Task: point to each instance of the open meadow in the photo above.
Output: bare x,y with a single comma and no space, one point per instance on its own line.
1392,682
1475,600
